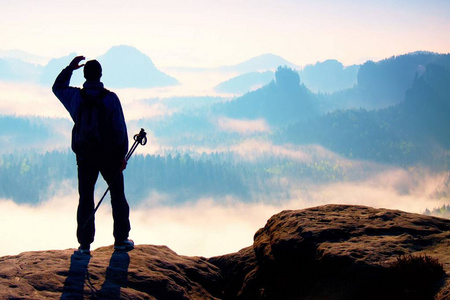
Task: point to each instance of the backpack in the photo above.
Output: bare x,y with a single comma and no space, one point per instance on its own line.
92,129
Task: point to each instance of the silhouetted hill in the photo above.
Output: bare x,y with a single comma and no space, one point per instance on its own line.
323,77
414,130
54,67
379,85
245,83
427,107
326,252
14,69
384,83
329,76
259,63
125,66
281,102
24,56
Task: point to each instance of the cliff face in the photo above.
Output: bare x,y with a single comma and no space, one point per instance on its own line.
327,252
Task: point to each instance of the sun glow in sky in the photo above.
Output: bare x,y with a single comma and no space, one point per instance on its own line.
204,33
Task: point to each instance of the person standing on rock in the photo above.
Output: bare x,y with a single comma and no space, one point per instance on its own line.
100,142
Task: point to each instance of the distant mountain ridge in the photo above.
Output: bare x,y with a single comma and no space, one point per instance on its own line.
24,56
282,101
372,84
14,69
259,63
414,130
123,66
384,83
245,83
328,76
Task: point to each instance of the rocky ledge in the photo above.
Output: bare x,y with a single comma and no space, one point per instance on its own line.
326,252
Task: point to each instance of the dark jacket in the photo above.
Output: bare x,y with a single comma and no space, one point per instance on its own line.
70,97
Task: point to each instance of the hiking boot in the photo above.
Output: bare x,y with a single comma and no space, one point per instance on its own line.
125,245
83,249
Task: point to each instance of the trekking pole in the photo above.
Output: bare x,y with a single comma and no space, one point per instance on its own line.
139,139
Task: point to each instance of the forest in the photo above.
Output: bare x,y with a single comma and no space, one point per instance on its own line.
33,177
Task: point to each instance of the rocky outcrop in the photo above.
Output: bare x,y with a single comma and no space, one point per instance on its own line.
326,252
346,252
147,272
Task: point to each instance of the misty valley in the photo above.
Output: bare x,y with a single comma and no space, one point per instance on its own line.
294,136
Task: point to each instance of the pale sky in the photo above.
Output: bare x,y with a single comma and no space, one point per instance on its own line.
207,33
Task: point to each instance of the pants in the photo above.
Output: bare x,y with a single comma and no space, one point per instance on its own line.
88,170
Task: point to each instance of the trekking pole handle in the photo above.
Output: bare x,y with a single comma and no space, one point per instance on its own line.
141,137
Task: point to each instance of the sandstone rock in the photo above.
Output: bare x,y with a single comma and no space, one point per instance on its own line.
147,272
345,252
238,271
326,252
341,252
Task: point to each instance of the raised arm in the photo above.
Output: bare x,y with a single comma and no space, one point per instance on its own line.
61,87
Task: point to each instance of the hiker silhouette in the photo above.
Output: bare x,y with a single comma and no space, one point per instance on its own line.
100,142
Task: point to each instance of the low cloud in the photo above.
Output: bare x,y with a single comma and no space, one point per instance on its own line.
253,149
208,226
391,188
140,110
29,99
136,105
50,225
37,100
202,228
242,126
